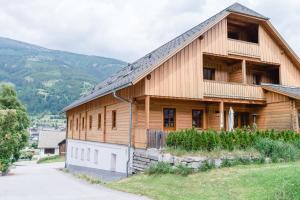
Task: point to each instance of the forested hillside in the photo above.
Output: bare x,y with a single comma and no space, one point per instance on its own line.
47,80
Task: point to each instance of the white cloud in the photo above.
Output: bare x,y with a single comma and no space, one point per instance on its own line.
125,29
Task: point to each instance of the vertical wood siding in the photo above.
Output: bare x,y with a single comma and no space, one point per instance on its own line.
215,39
180,76
271,52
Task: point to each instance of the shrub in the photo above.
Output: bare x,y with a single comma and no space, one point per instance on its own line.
206,165
182,170
166,168
277,149
193,140
159,168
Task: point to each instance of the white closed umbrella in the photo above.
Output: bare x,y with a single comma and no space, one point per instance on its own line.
230,119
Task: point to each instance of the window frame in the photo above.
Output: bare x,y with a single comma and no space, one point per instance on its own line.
99,121
212,73
90,122
164,118
49,151
77,124
200,119
82,123
114,119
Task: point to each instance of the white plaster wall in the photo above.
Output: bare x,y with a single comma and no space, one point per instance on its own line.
97,155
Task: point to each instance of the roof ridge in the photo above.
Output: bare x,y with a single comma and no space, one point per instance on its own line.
146,63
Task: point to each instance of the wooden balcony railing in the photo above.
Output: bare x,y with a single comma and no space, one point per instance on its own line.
233,90
243,48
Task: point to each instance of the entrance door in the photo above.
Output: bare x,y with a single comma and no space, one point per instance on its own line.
241,119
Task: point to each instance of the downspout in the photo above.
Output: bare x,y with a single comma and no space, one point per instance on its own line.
130,127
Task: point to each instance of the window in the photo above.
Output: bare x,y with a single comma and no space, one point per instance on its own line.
113,162
169,117
49,151
90,121
256,79
82,154
76,124
88,154
99,121
72,152
243,31
233,35
244,119
76,153
114,119
82,125
208,74
96,156
197,118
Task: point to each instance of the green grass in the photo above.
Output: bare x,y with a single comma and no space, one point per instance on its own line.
280,181
51,159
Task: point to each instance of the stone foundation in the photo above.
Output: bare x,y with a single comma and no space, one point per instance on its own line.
142,159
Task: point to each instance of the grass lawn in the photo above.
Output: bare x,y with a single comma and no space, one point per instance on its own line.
280,181
51,159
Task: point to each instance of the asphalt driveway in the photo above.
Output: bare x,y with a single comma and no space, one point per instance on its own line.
29,181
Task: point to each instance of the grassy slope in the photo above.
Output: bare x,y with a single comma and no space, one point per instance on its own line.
273,181
52,160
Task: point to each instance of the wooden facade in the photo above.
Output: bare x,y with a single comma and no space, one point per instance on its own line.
179,84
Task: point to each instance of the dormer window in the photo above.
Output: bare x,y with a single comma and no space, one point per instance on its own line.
244,31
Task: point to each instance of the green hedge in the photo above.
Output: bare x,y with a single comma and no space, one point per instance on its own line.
193,140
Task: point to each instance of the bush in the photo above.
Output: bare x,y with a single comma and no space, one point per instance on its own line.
166,168
206,165
193,140
277,149
159,168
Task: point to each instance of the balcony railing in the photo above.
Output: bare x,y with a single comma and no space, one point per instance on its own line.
232,90
243,48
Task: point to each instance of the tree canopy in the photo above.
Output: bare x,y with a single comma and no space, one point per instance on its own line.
14,122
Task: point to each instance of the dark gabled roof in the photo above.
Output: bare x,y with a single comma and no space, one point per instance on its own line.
292,92
126,76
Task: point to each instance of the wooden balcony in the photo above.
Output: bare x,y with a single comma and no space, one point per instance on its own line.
233,90
238,47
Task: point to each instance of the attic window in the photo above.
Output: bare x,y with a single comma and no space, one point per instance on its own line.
244,31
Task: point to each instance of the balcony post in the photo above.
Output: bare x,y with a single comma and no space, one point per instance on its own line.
244,72
221,112
147,112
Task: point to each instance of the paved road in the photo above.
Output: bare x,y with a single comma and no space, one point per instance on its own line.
30,181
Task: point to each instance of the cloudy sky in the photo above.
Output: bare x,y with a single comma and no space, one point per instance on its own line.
126,29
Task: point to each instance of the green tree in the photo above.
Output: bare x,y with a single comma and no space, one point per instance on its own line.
14,122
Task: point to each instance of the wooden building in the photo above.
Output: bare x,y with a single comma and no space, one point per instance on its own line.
234,59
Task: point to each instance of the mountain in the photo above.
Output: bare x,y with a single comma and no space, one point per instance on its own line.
47,80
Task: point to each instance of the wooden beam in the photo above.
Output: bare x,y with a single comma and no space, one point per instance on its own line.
147,112
244,72
237,101
221,112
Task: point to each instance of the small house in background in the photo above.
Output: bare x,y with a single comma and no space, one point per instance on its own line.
49,142
62,147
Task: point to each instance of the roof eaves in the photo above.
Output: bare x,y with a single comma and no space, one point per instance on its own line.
149,70
75,104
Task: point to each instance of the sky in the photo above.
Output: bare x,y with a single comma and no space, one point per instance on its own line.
129,29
